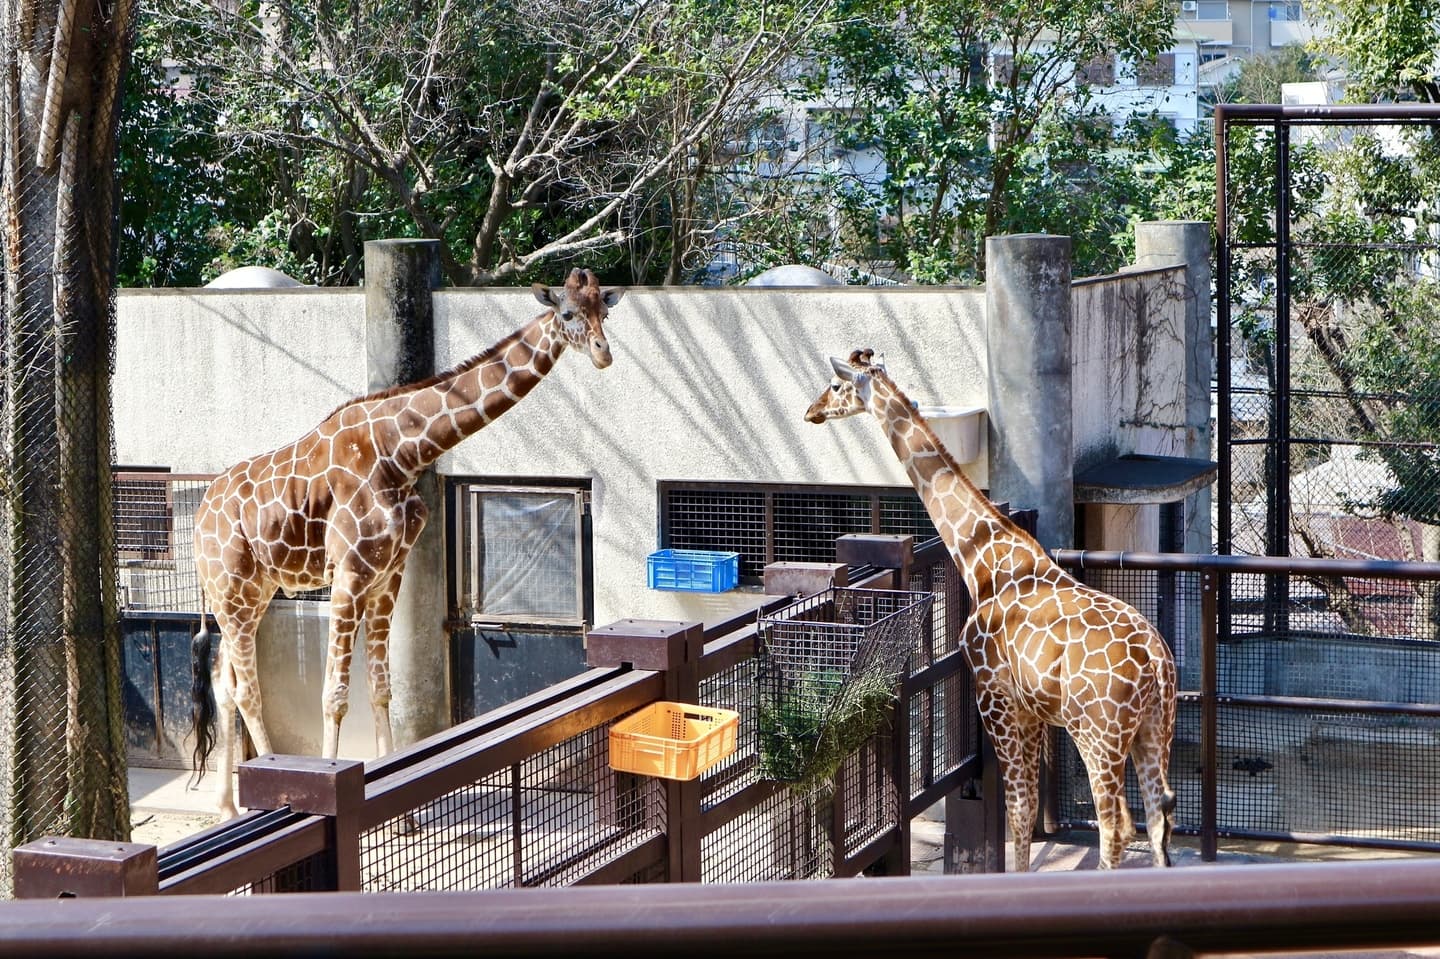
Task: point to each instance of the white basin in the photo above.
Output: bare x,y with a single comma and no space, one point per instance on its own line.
958,428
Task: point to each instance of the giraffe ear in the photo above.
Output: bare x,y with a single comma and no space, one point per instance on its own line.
843,369
610,295
544,294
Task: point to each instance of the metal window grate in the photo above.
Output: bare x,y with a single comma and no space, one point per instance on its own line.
154,519
728,519
768,523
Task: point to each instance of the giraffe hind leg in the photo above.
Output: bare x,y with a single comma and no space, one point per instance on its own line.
1151,755
1017,749
1107,788
237,687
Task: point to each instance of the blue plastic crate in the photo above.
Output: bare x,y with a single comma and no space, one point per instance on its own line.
693,570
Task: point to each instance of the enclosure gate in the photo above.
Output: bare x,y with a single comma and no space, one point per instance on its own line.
1328,256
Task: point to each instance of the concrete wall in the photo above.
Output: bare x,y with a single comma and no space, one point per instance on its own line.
706,385
710,385
204,378
1129,376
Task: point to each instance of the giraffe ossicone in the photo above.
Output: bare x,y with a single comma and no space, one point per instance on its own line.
1045,649
338,508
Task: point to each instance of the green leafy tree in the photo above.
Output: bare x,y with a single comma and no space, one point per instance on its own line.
1389,49
976,105
520,133
180,200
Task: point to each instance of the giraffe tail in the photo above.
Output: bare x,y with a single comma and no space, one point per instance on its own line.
202,700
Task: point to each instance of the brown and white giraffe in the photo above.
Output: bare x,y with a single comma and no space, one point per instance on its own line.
338,507
1046,650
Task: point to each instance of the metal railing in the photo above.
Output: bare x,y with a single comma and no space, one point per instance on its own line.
1308,696
524,796
331,818
1123,914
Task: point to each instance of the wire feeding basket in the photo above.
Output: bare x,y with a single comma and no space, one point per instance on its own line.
829,672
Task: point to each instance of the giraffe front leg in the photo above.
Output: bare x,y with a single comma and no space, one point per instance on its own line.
379,608
335,696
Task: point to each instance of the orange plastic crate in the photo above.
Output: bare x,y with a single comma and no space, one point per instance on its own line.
673,740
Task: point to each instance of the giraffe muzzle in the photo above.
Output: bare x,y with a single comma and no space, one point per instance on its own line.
600,354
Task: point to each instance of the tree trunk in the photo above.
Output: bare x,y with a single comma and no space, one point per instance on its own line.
62,764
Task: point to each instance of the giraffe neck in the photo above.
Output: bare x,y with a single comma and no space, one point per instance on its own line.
988,548
436,415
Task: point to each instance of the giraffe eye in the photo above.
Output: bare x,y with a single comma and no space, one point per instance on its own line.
567,315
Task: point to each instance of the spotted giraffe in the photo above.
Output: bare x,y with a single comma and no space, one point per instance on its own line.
338,508
1045,649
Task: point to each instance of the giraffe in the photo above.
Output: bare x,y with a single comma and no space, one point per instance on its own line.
1045,649
338,507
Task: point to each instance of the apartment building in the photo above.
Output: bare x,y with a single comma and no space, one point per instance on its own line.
1227,32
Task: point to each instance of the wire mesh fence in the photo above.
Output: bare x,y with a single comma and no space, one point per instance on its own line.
1325,683
829,672
544,821
1330,334
154,540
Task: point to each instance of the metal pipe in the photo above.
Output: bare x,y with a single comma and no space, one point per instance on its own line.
1251,908
1272,565
1222,329
1343,113
1209,719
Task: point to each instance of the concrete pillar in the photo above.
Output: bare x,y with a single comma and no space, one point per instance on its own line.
400,348
399,320
1163,243
1027,303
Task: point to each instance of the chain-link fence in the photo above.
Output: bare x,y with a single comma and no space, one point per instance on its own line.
61,729
1329,331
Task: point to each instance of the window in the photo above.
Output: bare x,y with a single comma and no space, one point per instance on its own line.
1285,11
1213,10
768,523
521,554
1159,72
143,513
1098,71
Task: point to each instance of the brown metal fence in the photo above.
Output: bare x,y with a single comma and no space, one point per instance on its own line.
524,795
1317,723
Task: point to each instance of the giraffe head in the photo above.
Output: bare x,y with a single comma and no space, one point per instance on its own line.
849,392
577,313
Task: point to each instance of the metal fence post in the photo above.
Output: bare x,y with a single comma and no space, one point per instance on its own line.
1209,712
894,552
674,648
334,788
58,867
